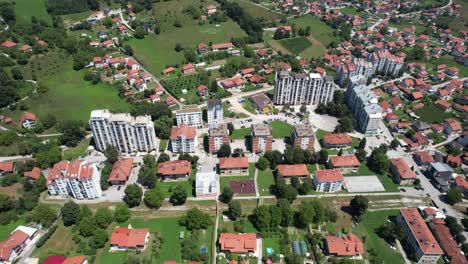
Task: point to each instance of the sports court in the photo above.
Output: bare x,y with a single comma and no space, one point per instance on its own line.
363,184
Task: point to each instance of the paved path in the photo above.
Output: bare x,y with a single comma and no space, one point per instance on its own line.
257,193
402,252
125,22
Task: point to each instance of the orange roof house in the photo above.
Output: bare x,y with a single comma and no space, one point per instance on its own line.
348,246
337,140
183,130
121,171
127,238
296,170
8,44
14,241
34,174
174,169
75,260
345,163
238,243
233,163
7,167
401,171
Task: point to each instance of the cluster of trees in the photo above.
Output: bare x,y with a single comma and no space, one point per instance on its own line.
292,155
195,219
338,108
133,194
159,112
249,24
454,196
91,227
389,232
270,218
191,248
63,7
455,229
378,161
358,206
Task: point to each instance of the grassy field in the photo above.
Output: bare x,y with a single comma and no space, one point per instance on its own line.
61,242
157,51
366,228
166,186
5,230
240,133
264,180
169,228
280,129
363,171
76,17
431,114
258,12
69,96
25,9
163,144
351,10
78,151
296,45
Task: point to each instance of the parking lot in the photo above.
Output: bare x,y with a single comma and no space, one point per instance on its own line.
363,184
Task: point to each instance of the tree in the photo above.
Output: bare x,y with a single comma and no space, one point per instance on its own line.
322,156
195,219
262,163
103,217
286,212
261,217
163,157
6,203
179,195
226,195
454,196
87,226
389,232
49,121
121,213
154,198
359,205
394,144
417,182
362,143
230,127
178,47
133,195
70,213
128,50
303,109
283,190
139,33
72,133
100,238
378,161
234,209
111,153
44,214
224,151
340,152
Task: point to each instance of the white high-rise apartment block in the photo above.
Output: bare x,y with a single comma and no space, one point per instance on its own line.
78,179
127,133
183,139
385,62
300,88
358,66
189,115
364,105
215,112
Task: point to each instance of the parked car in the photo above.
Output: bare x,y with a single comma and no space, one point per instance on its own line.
402,190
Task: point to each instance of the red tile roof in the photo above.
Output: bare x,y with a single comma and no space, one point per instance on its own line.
448,243
424,156
461,182
54,260
404,171
121,170
233,163
15,239
238,243
337,139
293,170
350,245
420,231
8,44
174,167
128,238
7,166
329,175
35,173
183,130
28,116
222,45
344,161
75,260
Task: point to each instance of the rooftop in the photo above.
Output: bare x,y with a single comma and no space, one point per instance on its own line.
261,130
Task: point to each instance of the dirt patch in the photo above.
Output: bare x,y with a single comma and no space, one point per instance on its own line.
13,190
278,47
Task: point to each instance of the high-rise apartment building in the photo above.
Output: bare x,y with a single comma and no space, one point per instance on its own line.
190,115
366,110
261,138
214,112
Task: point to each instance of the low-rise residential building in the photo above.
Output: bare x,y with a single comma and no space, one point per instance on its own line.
222,46
363,102
190,115
461,184
295,170
174,170
261,138
206,184
129,239
401,172
78,179
7,167
303,136
328,180
183,139
17,241
238,243
261,103
346,164
34,174
217,136
120,172
233,166
214,112
430,213
28,120
423,244
447,242
65,260
452,126
441,174
337,140
349,246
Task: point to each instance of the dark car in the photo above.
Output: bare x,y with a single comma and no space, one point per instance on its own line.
402,190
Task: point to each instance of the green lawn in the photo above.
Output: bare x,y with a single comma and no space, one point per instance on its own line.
388,183
165,186
296,45
320,133
78,151
366,228
431,114
272,241
163,144
320,31
77,16
157,51
363,171
240,133
248,105
258,12
25,9
5,230
351,10
60,243
264,180
280,129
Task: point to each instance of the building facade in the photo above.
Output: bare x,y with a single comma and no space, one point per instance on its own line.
234,166
206,184
78,179
300,88
303,137
128,134
217,137
214,112
386,63
366,110
358,66
183,139
261,138
328,180
190,115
